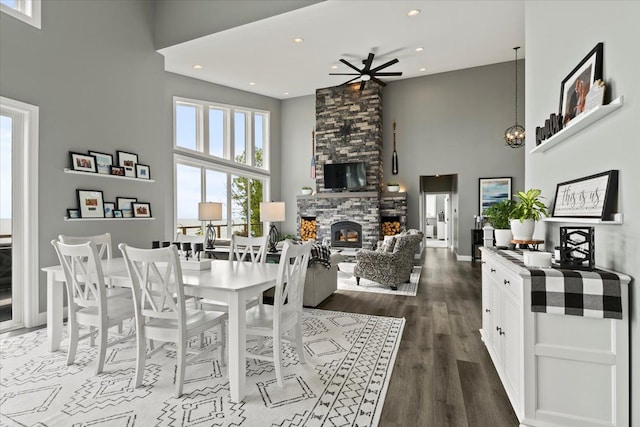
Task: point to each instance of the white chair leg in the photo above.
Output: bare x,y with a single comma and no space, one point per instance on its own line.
141,357
223,344
277,358
102,349
182,359
92,337
299,346
73,341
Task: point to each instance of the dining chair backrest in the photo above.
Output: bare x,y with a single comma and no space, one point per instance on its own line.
292,273
83,275
156,278
252,249
102,241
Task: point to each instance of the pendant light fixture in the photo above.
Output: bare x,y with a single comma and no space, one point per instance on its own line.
514,136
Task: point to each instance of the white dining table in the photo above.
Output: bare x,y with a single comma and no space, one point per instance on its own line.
230,282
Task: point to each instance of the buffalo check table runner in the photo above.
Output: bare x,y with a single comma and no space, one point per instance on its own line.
594,293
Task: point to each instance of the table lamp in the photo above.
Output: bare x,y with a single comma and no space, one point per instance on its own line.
210,211
272,212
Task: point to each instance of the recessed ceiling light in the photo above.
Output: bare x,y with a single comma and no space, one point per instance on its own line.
419,49
197,67
334,67
298,40
252,83
286,93
413,12
423,69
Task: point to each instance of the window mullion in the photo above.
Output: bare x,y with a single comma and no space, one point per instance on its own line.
203,112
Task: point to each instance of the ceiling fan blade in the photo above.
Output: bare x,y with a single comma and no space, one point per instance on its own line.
367,63
344,74
349,65
380,82
385,65
390,73
362,84
347,82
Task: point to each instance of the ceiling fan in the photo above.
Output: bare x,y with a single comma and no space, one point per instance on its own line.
367,73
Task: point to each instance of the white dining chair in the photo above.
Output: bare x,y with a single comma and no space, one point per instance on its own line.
285,315
88,302
102,242
160,310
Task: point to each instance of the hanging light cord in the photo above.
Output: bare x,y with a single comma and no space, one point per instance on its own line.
516,65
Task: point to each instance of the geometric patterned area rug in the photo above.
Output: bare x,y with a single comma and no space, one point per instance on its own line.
347,282
349,360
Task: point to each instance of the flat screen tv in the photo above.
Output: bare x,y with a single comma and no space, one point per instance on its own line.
345,176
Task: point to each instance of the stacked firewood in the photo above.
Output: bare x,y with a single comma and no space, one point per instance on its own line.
390,228
307,229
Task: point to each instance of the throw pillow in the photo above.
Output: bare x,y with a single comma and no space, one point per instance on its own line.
388,244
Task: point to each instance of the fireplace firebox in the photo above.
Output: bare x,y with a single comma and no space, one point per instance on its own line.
346,234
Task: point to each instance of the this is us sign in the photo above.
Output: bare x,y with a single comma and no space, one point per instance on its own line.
589,197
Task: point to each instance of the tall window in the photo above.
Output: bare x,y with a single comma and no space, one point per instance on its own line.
220,156
24,10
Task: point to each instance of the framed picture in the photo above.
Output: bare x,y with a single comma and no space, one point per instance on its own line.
143,171
90,203
589,197
109,207
123,204
103,161
574,88
117,214
117,170
73,213
141,210
128,162
82,162
493,190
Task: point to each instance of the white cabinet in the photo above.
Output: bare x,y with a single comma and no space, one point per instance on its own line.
558,370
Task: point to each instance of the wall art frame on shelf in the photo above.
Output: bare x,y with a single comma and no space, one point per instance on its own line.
90,203
103,162
73,213
124,205
117,170
141,209
143,171
493,190
117,213
574,87
593,196
128,162
82,162
109,207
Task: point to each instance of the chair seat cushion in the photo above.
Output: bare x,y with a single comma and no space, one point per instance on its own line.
261,317
117,308
196,320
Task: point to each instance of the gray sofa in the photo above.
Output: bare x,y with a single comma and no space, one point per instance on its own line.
391,263
321,282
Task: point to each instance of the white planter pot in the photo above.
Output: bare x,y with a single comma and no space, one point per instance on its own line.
522,230
393,188
503,237
306,191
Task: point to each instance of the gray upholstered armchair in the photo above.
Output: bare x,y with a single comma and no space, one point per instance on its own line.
391,263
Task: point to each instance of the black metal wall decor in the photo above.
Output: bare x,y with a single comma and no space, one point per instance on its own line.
394,157
577,248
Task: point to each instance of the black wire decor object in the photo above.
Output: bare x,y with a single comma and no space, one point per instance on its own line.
394,156
514,135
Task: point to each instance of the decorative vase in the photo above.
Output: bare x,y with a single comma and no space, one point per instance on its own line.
393,188
307,191
522,230
503,237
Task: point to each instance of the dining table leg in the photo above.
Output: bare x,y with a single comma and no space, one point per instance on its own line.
237,347
55,311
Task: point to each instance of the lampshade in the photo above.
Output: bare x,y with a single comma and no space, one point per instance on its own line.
272,211
209,211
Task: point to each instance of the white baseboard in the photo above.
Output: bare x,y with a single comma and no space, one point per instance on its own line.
463,257
41,318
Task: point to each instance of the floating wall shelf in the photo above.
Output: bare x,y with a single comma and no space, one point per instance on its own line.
104,175
595,221
579,123
66,218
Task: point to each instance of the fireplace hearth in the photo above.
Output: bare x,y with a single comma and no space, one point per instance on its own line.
346,234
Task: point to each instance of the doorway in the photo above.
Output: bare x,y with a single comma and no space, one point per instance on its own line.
437,224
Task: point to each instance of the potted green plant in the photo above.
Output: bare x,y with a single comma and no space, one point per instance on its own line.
499,215
306,190
526,212
393,187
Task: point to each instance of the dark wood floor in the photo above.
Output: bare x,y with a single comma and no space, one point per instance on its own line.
443,375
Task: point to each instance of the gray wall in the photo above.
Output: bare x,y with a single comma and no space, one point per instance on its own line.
97,79
449,123
178,20
611,143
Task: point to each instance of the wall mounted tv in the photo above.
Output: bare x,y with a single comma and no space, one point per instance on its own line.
345,176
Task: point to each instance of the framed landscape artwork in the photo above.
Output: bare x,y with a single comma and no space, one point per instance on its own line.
493,190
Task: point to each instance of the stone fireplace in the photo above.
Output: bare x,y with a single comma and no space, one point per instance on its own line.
349,129
346,234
